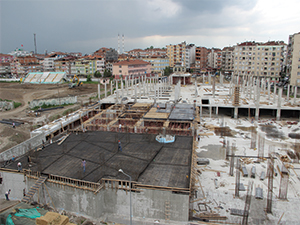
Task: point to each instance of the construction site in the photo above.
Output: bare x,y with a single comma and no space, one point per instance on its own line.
177,150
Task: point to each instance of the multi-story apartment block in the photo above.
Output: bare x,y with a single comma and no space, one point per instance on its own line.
140,53
109,54
5,68
201,59
293,59
227,60
158,63
260,59
190,53
214,58
176,53
131,68
5,58
16,68
48,62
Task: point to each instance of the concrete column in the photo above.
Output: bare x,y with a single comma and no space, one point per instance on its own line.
144,92
210,111
135,94
105,90
221,78
209,78
200,109
269,88
111,88
275,87
117,96
183,80
288,93
236,111
140,89
279,104
126,85
295,95
147,87
217,110
99,92
196,91
257,101
122,88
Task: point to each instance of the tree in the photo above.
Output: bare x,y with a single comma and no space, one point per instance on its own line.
167,71
107,73
97,74
89,78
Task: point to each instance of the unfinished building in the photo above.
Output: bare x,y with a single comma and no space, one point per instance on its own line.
164,177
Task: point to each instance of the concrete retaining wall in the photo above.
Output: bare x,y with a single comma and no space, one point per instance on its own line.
6,105
22,148
110,203
53,101
15,182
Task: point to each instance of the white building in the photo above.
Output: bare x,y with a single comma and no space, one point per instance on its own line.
293,59
260,59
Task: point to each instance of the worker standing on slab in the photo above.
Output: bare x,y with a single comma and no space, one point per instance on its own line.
83,165
120,127
120,147
19,165
7,195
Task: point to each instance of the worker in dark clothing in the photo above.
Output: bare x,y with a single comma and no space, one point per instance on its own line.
119,146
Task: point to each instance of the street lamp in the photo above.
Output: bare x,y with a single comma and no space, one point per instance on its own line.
121,171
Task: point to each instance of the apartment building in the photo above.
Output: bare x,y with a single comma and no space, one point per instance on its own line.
176,53
48,62
158,63
260,59
5,58
5,68
214,58
109,54
190,53
227,60
140,53
201,59
293,59
131,68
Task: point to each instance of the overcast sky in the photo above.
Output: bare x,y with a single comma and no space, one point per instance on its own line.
87,25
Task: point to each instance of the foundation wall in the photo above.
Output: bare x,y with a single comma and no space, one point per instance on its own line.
13,181
53,101
23,147
111,202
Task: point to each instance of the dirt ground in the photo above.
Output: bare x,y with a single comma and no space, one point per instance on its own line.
25,93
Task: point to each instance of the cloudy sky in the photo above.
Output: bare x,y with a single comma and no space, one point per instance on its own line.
87,25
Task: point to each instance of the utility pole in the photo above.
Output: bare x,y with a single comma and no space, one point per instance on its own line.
35,50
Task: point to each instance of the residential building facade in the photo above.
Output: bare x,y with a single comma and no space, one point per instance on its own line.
259,59
293,59
201,59
214,58
6,58
176,53
227,60
190,53
158,63
5,68
131,68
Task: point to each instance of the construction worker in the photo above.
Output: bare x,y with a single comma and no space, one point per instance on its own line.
83,165
7,195
19,165
119,146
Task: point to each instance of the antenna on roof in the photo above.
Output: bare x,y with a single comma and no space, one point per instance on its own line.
123,42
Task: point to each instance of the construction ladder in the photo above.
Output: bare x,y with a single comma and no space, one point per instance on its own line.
34,188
